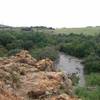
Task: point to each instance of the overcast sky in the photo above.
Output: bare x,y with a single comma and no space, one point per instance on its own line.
55,13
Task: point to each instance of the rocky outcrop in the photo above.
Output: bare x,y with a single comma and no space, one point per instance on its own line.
7,95
24,78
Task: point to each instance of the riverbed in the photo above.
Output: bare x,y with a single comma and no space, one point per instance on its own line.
69,64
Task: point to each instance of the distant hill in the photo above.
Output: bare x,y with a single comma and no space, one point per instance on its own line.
85,30
4,26
82,30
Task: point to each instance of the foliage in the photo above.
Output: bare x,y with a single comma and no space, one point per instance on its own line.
37,42
92,63
93,79
5,38
88,94
47,52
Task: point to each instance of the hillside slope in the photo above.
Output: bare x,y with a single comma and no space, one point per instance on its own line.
85,30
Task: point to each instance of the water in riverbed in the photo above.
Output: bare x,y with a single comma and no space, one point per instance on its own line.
70,65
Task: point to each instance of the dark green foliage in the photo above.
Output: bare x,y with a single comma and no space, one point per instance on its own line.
5,38
27,44
47,52
78,46
17,44
92,63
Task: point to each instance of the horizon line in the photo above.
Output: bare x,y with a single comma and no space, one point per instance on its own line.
16,26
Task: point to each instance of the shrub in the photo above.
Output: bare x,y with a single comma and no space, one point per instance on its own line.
87,94
92,63
77,48
47,52
93,79
17,44
6,38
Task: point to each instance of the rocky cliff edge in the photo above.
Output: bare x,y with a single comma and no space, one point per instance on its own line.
24,78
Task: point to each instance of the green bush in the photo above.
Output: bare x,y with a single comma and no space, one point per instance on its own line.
5,38
77,48
93,79
92,63
47,52
17,44
86,94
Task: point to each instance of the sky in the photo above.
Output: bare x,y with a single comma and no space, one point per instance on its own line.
50,13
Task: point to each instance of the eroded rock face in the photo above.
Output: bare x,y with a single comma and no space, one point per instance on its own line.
7,95
24,78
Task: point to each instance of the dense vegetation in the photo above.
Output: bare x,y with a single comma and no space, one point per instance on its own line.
88,94
47,45
42,45
39,44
